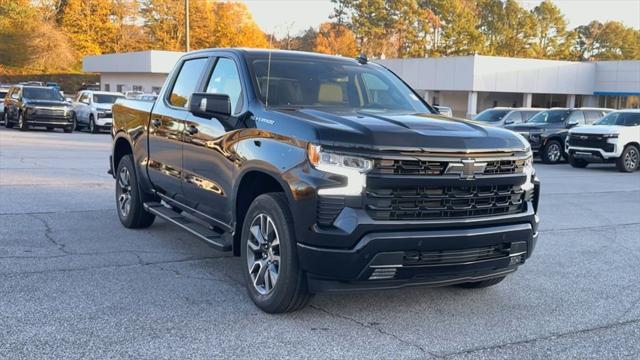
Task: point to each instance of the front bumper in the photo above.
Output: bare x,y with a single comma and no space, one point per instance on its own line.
104,120
49,121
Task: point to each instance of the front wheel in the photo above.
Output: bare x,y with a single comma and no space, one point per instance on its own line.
22,123
92,125
552,152
7,123
68,129
578,163
128,199
273,277
629,160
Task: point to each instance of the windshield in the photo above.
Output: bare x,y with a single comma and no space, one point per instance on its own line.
3,94
335,84
550,117
41,94
106,99
491,115
620,118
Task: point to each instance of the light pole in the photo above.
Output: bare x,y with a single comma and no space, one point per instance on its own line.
186,25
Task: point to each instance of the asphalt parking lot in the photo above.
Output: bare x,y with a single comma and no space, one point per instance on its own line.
75,284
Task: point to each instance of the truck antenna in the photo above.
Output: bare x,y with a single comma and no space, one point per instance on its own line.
266,100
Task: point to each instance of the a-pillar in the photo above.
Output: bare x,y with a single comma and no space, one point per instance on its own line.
527,99
472,104
571,101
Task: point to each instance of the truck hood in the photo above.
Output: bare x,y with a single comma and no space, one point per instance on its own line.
101,106
416,131
598,129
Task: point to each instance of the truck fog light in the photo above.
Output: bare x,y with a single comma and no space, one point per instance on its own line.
514,260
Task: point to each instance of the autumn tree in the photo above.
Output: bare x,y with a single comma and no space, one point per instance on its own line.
335,39
233,25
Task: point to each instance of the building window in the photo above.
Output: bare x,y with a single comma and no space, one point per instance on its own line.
137,87
156,90
120,88
107,87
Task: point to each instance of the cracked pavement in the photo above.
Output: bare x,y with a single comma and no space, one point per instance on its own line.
75,284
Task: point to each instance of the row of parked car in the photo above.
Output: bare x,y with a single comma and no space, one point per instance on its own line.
33,104
579,135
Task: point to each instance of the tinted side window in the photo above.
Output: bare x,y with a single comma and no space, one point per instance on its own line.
225,80
632,120
526,115
186,82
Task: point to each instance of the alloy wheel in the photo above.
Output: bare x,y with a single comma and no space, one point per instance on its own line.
554,152
20,121
631,159
124,185
263,254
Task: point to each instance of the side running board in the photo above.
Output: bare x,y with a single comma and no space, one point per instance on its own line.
216,240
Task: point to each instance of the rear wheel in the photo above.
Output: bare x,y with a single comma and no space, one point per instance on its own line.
128,199
74,119
578,163
551,153
629,160
68,129
22,123
273,277
482,284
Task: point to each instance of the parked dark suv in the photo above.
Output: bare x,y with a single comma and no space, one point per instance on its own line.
324,174
29,106
547,130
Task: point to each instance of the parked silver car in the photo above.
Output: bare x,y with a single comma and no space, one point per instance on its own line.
501,116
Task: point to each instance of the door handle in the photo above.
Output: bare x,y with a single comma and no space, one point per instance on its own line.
192,130
156,122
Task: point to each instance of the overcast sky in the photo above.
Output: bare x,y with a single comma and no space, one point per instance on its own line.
280,16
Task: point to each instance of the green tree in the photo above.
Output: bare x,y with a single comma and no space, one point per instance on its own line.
507,27
552,39
608,41
458,33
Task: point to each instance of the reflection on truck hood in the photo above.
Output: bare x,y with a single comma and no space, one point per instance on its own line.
404,131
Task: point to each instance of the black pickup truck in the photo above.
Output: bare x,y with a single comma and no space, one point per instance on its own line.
323,174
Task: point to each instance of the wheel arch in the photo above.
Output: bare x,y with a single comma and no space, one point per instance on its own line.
253,183
121,147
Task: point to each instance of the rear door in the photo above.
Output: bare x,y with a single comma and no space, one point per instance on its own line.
166,127
208,170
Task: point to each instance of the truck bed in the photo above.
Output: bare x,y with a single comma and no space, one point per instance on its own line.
129,114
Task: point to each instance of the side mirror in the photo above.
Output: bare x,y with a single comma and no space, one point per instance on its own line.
572,123
210,105
508,122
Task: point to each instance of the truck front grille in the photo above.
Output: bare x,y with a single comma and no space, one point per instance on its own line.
590,141
446,257
442,202
431,168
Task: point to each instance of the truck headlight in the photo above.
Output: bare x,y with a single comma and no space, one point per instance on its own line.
610,136
351,167
529,171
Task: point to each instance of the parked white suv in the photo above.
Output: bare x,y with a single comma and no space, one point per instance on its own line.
93,109
614,138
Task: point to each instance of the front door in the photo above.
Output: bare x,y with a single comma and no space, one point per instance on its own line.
208,168
166,128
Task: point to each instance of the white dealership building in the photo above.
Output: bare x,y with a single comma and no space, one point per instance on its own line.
467,84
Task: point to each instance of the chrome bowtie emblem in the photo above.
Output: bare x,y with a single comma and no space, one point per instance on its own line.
467,168
583,137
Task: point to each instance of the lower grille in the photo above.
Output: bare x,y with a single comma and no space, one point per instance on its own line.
438,202
445,257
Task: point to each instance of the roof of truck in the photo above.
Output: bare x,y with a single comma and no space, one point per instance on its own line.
277,53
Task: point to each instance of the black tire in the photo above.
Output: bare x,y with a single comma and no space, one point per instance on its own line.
629,161
136,217
578,163
289,291
68,129
22,124
92,125
8,124
552,152
49,128
481,284
74,119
